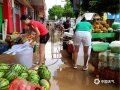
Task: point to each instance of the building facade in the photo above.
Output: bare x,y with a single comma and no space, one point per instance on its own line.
13,9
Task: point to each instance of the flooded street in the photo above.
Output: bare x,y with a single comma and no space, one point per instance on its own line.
64,77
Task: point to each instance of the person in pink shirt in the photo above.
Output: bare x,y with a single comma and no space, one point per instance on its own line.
41,32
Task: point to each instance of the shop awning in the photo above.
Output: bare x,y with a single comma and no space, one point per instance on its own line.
37,2
114,16
26,3
38,5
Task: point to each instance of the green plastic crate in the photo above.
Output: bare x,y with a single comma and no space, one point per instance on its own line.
103,35
100,47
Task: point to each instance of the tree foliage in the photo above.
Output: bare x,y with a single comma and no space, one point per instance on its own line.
101,6
68,10
56,10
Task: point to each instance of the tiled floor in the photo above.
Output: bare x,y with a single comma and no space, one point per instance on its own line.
64,77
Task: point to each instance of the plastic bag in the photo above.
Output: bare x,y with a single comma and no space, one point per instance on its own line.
22,84
115,43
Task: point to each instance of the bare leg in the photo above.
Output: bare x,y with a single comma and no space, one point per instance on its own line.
85,54
76,53
42,53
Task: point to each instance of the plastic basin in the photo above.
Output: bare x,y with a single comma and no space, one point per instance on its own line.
115,49
116,25
100,47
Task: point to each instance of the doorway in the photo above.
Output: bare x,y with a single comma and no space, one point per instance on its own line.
16,17
17,22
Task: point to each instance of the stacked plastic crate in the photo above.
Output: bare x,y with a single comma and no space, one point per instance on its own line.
109,65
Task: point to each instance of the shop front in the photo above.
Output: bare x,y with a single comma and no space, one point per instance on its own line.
104,52
12,10
20,7
16,17
39,9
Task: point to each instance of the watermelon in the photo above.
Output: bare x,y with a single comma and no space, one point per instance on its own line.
24,75
44,88
42,67
11,75
1,74
45,74
4,67
34,78
20,77
19,68
35,82
4,84
45,84
38,89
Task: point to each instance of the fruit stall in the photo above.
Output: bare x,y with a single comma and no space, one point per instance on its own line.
105,49
105,58
14,39
19,77
101,28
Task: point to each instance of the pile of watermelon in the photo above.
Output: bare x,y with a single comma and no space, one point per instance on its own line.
8,74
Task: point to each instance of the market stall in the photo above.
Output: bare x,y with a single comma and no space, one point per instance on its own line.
106,61
19,47
106,33
21,75
103,34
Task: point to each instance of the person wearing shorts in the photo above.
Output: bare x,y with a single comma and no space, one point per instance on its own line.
82,35
41,32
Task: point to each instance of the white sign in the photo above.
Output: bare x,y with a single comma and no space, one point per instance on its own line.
55,17
89,16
